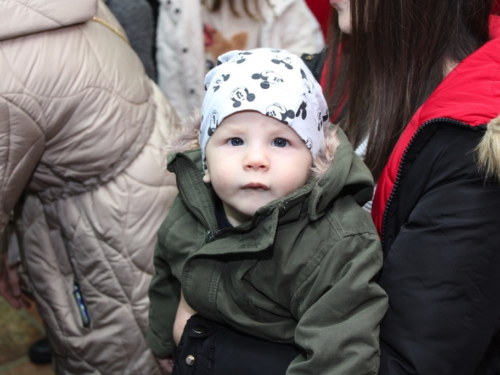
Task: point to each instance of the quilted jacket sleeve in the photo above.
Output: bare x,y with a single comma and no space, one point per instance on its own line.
164,296
442,271
341,308
22,143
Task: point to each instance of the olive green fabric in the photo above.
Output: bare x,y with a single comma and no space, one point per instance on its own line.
300,272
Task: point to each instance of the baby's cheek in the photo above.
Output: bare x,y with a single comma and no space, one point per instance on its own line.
294,181
223,181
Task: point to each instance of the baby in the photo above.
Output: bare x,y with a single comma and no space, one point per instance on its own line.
266,247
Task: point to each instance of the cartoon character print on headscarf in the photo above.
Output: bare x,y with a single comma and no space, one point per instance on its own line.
302,109
280,113
242,58
268,78
309,143
220,80
322,119
286,60
240,94
214,123
307,82
257,83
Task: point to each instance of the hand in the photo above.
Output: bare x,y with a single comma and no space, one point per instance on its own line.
166,365
10,287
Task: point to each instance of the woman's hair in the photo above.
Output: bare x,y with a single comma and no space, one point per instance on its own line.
396,55
215,5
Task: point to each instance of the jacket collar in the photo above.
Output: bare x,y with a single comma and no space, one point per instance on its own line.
24,17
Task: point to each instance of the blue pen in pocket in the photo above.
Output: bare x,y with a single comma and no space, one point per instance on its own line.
81,305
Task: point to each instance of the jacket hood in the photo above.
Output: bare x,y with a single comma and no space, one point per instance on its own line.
342,172
24,17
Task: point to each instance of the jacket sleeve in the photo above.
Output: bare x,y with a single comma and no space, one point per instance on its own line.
164,296
442,271
341,307
22,143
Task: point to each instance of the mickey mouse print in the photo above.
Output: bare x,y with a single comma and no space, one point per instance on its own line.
273,82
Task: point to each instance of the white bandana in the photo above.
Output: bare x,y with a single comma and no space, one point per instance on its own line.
273,82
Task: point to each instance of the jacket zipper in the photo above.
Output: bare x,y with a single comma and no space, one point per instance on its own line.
400,168
211,235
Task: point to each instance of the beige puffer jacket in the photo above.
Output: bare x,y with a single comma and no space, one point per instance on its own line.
81,132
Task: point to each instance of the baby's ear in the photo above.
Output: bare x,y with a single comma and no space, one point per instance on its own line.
206,176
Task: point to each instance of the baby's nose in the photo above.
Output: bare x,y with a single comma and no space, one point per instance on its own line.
256,159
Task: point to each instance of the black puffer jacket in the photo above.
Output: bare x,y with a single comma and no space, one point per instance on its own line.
439,219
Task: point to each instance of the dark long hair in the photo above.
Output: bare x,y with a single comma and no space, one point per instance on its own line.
396,55
215,5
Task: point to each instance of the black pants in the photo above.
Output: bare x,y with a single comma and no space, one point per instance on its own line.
208,348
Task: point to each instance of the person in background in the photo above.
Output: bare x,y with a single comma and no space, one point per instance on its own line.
191,34
138,19
82,129
418,81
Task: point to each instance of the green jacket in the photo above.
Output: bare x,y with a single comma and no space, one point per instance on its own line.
300,272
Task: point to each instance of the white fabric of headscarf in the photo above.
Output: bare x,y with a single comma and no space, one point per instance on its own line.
273,82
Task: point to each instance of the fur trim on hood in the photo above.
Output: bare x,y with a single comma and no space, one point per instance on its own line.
488,150
188,139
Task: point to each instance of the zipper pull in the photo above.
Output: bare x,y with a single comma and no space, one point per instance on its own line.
209,237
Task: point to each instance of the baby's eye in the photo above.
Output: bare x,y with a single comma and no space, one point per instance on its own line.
280,142
235,141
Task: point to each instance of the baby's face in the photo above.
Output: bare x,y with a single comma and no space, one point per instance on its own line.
252,160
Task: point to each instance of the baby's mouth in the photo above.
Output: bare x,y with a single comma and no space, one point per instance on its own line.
255,186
